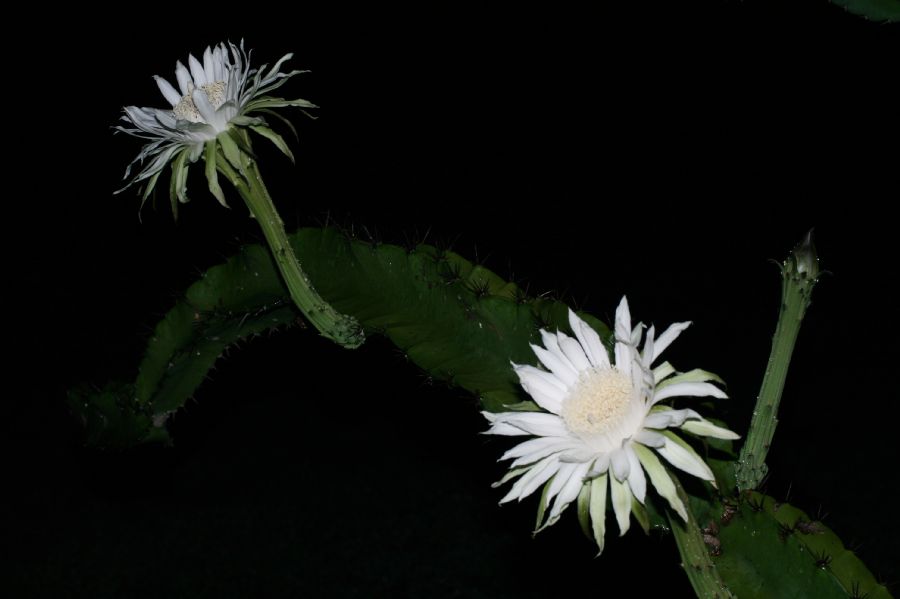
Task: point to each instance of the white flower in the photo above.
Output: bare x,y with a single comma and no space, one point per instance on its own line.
213,98
600,417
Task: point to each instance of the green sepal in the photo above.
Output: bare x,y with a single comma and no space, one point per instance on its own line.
246,121
240,137
660,479
620,494
542,506
151,184
584,508
212,177
598,510
687,447
231,151
177,182
511,474
287,122
662,371
522,406
692,376
275,139
269,102
640,514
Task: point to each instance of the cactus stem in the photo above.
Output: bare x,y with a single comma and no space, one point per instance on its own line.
799,274
340,328
692,547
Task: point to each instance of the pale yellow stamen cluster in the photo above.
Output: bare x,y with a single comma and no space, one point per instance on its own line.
598,402
186,110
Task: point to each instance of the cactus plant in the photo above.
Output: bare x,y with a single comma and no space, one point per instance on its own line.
461,323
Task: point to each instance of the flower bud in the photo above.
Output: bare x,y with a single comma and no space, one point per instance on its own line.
803,263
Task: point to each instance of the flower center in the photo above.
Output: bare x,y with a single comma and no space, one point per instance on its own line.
186,110
598,402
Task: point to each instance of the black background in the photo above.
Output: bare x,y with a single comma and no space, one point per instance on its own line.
663,154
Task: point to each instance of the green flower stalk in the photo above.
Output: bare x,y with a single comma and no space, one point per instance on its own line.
799,274
218,101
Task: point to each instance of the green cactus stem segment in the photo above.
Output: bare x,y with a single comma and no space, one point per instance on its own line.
799,274
340,328
695,556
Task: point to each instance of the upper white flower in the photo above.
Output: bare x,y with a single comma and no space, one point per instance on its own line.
601,416
212,97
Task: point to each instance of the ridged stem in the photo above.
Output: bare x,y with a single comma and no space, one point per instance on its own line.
695,557
340,328
798,277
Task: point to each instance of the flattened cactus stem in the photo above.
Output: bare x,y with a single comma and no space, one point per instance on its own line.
340,328
799,274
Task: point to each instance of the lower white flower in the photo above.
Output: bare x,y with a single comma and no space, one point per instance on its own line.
601,426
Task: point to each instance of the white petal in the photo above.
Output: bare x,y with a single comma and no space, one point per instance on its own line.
660,479
563,371
666,339
621,500
547,395
636,334
533,450
619,462
197,71
185,83
559,481
638,376
686,460
168,92
600,466
166,118
535,423
688,390
649,438
589,340
573,351
624,357
531,480
624,350
552,344
547,377
623,320
568,493
530,446
209,68
541,476
705,428
206,110
219,63
658,420
636,479
598,510
693,376
667,418
647,352
578,454
506,430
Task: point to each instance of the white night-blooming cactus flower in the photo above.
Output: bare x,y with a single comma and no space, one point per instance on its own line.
212,101
602,426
